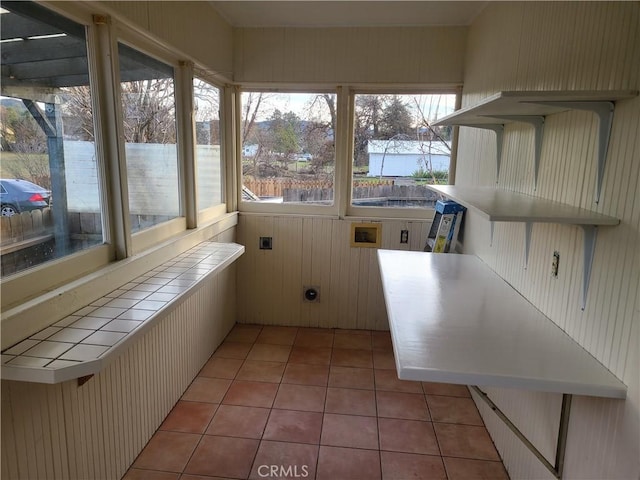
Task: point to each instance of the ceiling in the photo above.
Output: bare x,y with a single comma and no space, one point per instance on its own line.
347,13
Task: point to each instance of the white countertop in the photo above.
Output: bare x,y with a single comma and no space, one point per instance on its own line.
454,320
84,342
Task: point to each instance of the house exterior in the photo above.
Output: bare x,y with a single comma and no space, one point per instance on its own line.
403,158
95,429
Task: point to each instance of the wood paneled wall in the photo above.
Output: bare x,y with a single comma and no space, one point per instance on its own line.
565,46
427,55
315,251
193,27
95,431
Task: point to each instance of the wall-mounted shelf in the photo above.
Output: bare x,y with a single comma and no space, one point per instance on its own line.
532,107
498,205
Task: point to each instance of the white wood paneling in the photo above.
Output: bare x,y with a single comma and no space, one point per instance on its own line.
192,27
315,251
96,430
559,46
427,55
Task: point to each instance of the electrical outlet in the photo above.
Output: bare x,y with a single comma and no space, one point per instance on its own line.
555,263
266,243
404,236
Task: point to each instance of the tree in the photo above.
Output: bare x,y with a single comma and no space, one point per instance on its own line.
27,141
251,103
318,132
78,113
148,108
425,126
284,131
396,119
368,110
429,133
206,113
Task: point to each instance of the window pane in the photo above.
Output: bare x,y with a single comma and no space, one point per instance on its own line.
397,150
208,153
148,107
288,151
50,188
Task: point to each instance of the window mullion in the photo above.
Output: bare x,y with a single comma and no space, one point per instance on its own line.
343,149
109,137
186,133
233,138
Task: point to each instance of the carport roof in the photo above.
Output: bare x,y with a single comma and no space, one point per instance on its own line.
43,51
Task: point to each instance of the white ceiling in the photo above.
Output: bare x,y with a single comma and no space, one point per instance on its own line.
347,13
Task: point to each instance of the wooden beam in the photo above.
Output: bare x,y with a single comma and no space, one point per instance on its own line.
17,26
29,51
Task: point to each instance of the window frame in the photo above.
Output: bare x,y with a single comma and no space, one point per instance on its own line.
208,214
143,239
292,208
29,283
394,212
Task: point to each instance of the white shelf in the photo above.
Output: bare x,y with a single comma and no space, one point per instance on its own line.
532,107
454,320
512,104
498,205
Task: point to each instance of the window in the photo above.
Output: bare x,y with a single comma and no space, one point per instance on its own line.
208,144
397,150
149,117
49,172
288,148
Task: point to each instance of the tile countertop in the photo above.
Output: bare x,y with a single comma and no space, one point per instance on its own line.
84,342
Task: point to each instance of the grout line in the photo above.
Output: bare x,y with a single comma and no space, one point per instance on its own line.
326,387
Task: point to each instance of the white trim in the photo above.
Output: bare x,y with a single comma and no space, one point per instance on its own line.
420,213
147,238
186,142
108,126
289,208
343,142
27,284
211,214
406,89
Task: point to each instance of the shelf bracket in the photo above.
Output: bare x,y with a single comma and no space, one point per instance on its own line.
498,129
589,248
557,467
528,227
604,112
492,226
538,124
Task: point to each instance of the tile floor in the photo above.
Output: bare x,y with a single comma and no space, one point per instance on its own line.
284,402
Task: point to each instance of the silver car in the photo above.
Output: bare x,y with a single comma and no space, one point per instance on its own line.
17,196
